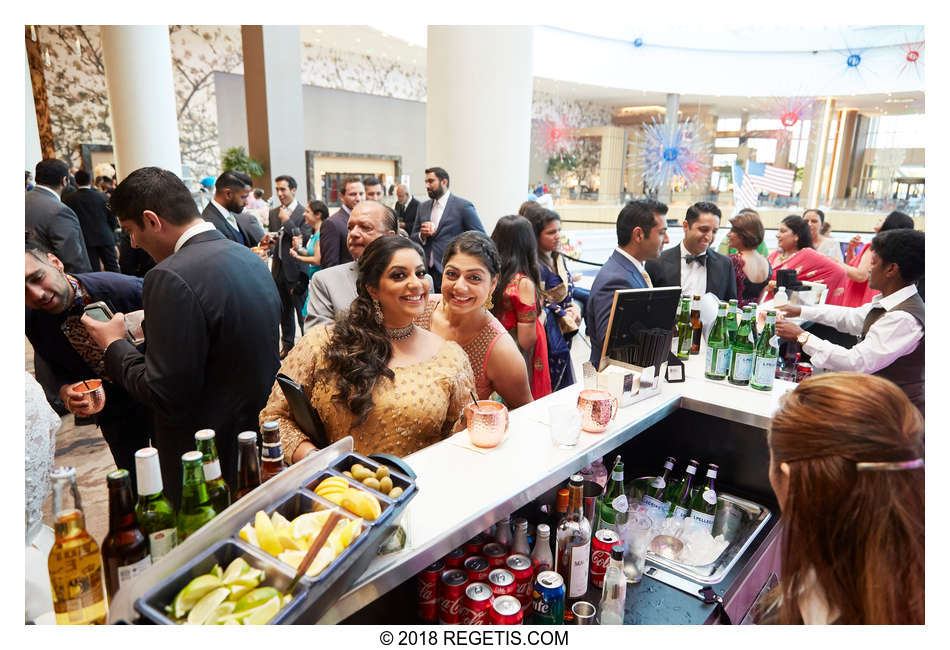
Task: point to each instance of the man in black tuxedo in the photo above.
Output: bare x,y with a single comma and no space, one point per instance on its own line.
333,232
98,224
440,219
406,207
226,209
693,265
53,223
211,325
285,222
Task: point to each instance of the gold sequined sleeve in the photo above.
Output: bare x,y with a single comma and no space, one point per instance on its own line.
460,386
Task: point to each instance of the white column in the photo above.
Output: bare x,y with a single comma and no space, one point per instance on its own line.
34,153
138,67
478,114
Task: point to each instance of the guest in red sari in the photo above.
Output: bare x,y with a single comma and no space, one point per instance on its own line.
795,252
858,266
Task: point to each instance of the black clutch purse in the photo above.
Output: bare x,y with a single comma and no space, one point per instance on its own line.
306,418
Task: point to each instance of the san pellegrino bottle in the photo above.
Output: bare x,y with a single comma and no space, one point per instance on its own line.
702,507
732,319
196,509
614,594
754,307
743,351
154,511
572,553
519,545
541,557
125,547
766,356
218,491
75,565
613,499
718,350
679,498
656,498
684,328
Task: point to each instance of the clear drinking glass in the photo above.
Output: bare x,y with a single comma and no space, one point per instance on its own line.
565,425
636,539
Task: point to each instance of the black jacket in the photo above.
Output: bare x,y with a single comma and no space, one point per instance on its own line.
97,222
283,266
56,226
407,215
720,273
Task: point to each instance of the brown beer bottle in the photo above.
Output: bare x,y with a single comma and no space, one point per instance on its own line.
125,548
272,454
697,326
248,464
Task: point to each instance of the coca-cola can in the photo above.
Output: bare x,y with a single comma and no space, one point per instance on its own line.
604,540
450,600
502,582
475,604
454,559
474,545
523,571
505,610
477,568
803,371
427,588
495,553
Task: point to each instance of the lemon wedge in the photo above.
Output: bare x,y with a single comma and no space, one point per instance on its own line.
266,535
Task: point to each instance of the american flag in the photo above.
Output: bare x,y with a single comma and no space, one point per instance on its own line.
769,178
744,193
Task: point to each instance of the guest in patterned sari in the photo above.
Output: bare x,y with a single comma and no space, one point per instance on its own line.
795,252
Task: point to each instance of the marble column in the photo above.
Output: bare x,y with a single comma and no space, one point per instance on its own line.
478,113
138,66
612,157
34,153
815,160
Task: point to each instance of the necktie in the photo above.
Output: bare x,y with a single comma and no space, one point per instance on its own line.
434,218
701,259
646,277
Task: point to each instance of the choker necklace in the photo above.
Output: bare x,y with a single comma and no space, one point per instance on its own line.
399,333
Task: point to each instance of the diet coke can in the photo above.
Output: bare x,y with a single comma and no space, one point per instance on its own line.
502,582
427,587
506,610
475,604
477,568
523,571
495,554
450,600
604,540
454,559
803,371
474,545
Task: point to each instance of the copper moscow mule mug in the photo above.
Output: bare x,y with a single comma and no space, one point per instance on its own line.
597,408
487,422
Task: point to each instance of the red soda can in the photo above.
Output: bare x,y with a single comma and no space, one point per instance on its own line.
454,559
450,600
804,371
604,540
427,588
495,554
523,571
475,604
477,568
474,545
502,582
505,610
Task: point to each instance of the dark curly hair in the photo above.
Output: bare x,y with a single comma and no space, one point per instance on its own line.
801,228
358,351
478,245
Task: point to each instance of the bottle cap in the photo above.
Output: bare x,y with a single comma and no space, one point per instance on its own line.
63,472
577,478
563,496
204,434
616,552
690,469
270,425
191,456
117,475
543,529
520,522
148,472
247,436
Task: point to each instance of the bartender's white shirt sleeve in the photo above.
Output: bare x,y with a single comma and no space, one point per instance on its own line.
847,320
895,334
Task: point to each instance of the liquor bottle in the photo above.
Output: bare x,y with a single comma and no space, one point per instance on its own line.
503,532
560,509
766,356
743,351
519,544
75,565
697,324
702,507
613,499
732,319
656,497
684,329
541,556
272,455
154,511
218,491
248,464
718,351
682,491
125,548
195,510
614,594
572,553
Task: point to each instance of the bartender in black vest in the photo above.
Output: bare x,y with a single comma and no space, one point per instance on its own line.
891,326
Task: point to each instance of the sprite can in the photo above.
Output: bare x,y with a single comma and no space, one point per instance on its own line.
547,607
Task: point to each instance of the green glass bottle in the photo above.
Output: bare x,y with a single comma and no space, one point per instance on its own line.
218,491
766,356
732,319
154,511
614,498
718,348
702,507
684,328
656,498
743,351
754,322
680,496
196,509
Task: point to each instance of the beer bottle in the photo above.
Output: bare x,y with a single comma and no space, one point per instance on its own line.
248,465
743,351
684,329
766,356
75,565
732,319
125,548
154,511
196,509
697,324
218,491
657,494
702,507
272,455
718,351
682,491
572,554
613,499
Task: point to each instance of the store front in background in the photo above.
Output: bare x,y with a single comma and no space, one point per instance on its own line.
326,171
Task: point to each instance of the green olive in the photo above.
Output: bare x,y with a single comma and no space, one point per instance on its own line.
385,484
395,493
347,474
359,472
371,482
382,472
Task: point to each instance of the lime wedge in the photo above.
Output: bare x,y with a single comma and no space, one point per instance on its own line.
251,578
215,571
238,567
223,609
239,591
255,598
193,592
261,614
233,619
206,606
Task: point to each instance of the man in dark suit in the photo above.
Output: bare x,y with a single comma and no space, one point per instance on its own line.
440,219
641,234
286,222
693,265
98,224
53,223
211,324
333,231
225,209
406,207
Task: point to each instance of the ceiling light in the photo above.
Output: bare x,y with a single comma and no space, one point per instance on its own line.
629,110
899,100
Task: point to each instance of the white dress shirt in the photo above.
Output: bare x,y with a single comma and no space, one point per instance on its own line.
203,226
895,334
692,275
227,216
438,208
638,264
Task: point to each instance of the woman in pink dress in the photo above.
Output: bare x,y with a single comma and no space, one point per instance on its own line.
858,266
795,252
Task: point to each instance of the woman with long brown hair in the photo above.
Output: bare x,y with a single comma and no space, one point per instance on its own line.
847,468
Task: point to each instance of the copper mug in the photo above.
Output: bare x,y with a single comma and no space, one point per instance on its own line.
96,394
597,408
487,422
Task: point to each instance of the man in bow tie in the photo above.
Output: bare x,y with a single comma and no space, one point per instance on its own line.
693,265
